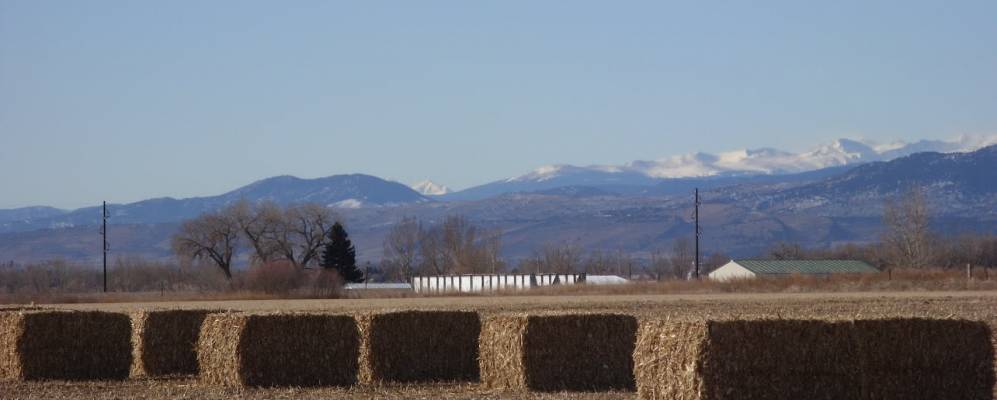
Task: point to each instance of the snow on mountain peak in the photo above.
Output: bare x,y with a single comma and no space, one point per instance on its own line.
430,188
348,203
768,160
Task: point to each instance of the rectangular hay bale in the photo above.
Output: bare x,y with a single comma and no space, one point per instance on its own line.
813,359
66,345
565,352
164,342
419,346
268,350
926,359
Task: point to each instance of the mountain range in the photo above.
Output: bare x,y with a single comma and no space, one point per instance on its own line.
830,195
704,167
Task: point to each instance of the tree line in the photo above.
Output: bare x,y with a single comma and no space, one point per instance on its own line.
457,246
454,246
303,236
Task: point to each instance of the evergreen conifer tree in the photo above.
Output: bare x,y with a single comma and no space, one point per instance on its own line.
339,254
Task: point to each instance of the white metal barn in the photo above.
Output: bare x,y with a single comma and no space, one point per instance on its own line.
746,269
492,282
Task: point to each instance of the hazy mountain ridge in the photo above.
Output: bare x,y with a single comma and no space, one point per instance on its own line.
29,213
344,191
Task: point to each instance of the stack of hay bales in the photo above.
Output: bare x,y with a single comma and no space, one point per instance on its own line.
266,350
813,359
558,352
68,345
419,346
164,342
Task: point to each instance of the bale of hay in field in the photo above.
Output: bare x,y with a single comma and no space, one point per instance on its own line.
812,359
573,352
267,350
164,342
419,346
67,345
926,359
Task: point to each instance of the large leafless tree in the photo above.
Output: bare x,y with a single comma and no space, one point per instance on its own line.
682,257
560,259
259,225
401,248
453,246
212,236
908,236
299,236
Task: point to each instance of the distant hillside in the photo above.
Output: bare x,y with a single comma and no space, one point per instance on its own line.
341,191
956,184
29,214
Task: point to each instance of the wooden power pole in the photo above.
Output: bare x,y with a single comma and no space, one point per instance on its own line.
696,218
103,233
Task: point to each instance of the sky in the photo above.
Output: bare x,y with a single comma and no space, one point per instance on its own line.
124,100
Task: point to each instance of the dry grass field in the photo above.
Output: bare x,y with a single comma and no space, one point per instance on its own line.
966,305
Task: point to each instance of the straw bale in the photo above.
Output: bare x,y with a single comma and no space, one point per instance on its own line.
164,342
812,359
365,372
926,359
11,328
501,351
666,359
66,345
566,352
269,350
420,346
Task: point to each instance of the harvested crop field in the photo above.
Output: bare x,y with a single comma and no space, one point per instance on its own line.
544,348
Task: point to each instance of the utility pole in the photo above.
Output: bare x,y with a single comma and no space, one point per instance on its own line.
698,233
103,233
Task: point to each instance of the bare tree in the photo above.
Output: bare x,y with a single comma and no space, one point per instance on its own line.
212,236
491,248
301,233
401,247
456,246
786,251
660,266
907,235
458,240
562,259
434,260
259,224
682,257
599,262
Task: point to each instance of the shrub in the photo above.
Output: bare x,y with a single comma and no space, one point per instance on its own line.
277,277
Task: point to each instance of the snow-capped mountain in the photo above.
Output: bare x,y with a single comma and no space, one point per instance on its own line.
769,161
737,163
430,188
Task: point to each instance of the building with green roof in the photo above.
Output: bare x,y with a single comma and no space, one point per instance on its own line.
741,269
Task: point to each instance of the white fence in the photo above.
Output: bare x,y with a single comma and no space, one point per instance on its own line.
487,282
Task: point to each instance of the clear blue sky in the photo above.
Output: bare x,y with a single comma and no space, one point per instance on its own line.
126,100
